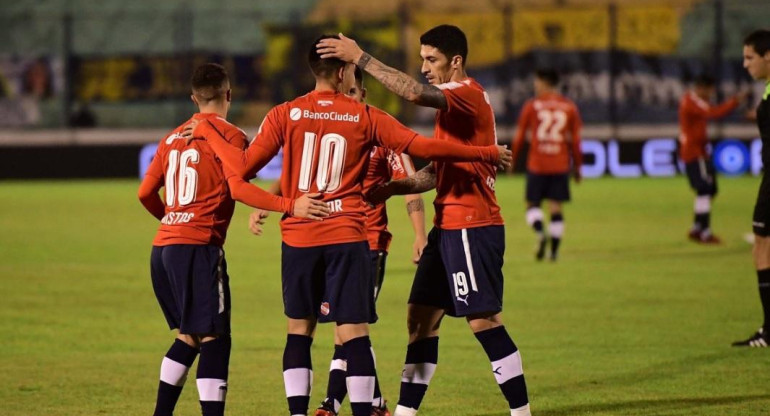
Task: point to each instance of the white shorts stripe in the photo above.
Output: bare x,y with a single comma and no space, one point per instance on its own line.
360,388
339,365
212,389
172,372
420,373
507,368
298,381
468,261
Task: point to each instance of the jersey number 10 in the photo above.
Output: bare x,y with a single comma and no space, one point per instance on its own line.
331,161
179,163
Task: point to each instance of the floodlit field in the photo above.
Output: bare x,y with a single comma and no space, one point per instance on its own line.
633,319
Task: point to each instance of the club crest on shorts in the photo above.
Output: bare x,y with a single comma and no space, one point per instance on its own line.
325,308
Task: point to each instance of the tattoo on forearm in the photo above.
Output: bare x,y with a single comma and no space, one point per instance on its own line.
415,206
402,84
363,61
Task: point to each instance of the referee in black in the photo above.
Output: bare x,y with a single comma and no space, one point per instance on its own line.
756,60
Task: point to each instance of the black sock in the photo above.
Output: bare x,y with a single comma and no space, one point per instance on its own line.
212,375
336,390
703,221
557,230
173,373
361,375
763,277
377,401
297,372
421,361
506,365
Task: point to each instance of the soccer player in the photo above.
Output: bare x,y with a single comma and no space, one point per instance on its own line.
460,271
756,60
384,165
553,124
694,112
188,268
326,138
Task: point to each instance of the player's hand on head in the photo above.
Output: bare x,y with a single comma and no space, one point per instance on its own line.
188,132
309,206
344,48
506,157
256,220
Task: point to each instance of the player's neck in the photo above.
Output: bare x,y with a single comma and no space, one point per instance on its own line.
221,112
546,92
458,75
322,85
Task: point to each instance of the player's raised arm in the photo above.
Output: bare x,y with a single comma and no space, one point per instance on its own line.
347,49
148,190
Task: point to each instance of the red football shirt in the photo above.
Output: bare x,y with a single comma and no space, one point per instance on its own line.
694,113
465,191
550,118
327,137
198,206
384,165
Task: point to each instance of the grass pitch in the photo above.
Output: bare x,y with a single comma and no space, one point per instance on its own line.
632,320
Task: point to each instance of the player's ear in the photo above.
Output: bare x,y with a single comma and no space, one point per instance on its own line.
229,95
363,93
341,73
457,62
195,100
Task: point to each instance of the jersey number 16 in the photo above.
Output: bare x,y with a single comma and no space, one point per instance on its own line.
181,189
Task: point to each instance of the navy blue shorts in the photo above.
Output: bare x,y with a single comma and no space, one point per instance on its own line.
331,282
702,177
551,187
461,271
761,217
192,287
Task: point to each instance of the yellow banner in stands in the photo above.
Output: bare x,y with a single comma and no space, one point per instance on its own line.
649,30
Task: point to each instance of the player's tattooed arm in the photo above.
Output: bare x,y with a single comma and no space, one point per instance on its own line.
423,180
402,84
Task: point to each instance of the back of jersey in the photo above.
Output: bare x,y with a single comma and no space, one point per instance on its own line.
550,118
197,198
326,139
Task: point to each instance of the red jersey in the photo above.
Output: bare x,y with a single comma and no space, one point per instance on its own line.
694,113
384,165
327,138
465,191
198,206
549,118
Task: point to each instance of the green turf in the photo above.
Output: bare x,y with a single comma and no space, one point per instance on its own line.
633,319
